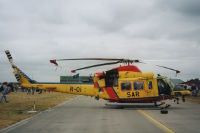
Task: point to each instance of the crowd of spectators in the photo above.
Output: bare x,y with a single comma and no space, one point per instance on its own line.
6,88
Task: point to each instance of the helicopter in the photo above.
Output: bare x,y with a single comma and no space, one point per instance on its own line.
123,84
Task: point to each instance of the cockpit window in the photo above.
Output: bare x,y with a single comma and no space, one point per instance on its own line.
163,87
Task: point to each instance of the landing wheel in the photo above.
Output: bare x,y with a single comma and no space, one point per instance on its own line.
164,107
97,97
164,111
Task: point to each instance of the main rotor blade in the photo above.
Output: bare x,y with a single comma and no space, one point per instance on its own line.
97,65
177,71
103,59
54,62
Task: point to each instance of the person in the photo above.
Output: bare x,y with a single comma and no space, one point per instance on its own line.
4,91
28,91
33,90
194,91
1,87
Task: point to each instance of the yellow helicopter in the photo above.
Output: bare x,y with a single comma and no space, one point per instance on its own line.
123,84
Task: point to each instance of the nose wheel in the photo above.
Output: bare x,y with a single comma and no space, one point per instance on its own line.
164,111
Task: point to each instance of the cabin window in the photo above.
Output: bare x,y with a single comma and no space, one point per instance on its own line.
125,86
138,85
150,84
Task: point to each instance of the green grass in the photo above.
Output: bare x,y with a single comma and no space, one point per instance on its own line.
20,103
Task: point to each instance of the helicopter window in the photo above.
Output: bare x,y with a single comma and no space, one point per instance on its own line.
115,82
150,84
138,85
163,87
111,78
125,86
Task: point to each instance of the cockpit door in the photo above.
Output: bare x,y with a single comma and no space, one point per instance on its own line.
163,87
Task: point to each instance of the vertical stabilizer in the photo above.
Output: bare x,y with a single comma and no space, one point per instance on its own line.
19,75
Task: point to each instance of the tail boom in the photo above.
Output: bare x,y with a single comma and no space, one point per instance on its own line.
25,81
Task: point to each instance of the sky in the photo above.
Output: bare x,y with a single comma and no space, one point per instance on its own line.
158,32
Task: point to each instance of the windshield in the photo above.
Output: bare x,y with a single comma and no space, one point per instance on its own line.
164,87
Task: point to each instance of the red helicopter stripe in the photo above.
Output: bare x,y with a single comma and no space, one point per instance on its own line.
111,93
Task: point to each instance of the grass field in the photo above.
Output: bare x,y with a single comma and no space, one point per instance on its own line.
20,103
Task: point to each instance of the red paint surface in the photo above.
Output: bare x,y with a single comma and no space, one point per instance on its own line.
96,85
129,68
111,93
99,74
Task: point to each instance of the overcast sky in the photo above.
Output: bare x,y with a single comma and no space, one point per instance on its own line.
164,32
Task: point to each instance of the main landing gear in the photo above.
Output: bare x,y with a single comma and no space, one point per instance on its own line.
163,107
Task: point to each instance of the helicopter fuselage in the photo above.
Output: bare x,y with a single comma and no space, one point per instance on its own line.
125,84
121,84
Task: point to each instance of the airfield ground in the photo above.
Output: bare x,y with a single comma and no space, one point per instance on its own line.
86,115
20,103
193,99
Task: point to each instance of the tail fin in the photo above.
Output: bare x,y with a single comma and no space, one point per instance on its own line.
19,75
